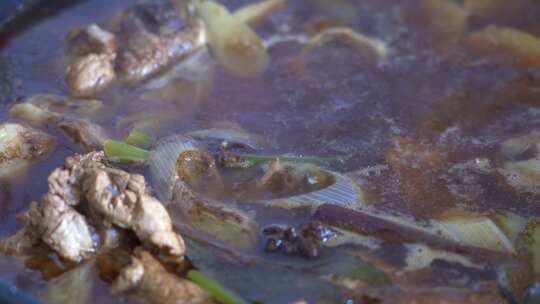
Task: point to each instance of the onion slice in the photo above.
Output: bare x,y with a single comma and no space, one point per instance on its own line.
342,192
222,221
236,46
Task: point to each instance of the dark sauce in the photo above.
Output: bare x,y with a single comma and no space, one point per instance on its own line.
448,101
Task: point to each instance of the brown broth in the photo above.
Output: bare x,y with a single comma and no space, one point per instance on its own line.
450,102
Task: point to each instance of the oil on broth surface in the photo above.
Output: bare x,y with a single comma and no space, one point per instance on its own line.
420,129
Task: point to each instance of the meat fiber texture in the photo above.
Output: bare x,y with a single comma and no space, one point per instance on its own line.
84,195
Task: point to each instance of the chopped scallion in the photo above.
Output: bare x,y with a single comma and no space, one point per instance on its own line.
218,291
121,151
139,139
259,159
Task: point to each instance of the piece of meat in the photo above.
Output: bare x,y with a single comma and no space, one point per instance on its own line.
65,181
290,178
152,224
122,199
107,194
57,225
90,74
42,109
61,227
91,40
153,35
137,43
20,146
149,282
84,133
104,196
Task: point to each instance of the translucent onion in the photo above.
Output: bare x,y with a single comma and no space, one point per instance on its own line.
227,224
342,192
402,229
20,146
511,223
222,221
523,175
516,45
162,163
236,47
479,232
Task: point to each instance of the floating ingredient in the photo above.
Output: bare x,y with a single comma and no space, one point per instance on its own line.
480,232
220,220
515,45
218,291
400,229
139,139
323,187
21,146
42,109
86,134
518,145
250,160
162,162
123,152
236,47
523,175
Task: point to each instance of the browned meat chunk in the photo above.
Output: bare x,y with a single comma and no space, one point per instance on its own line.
150,282
153,35
57,225
60,227
111,196
90,74
84,133
20,146
152,223
291,178
122,199
92,39
135,44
